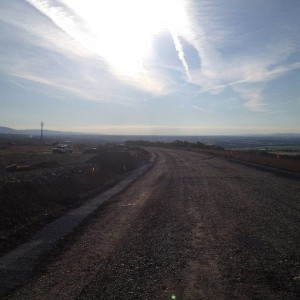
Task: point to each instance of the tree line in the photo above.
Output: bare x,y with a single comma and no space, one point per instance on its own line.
174,144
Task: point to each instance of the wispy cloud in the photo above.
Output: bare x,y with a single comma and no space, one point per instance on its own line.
181,55
102,60
230,58
253,97
71,39
68,79
200,109
63,60
117,43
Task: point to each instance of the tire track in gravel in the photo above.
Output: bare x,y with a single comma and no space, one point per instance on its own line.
151,253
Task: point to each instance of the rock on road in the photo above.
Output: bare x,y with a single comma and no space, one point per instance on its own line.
194,227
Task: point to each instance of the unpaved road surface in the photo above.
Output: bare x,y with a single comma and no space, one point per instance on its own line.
195,227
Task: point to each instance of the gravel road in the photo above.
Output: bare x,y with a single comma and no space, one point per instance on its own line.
194,227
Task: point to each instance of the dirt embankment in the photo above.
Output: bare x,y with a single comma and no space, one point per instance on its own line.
271,161
54,184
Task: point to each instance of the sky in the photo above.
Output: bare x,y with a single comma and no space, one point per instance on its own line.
166,67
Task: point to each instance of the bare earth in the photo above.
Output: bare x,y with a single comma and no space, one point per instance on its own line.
195,227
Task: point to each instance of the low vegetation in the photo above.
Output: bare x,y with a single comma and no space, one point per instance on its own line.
175,144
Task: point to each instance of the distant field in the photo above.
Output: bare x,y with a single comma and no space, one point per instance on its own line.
282,150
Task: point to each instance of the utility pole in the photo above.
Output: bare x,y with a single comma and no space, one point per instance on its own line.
42,127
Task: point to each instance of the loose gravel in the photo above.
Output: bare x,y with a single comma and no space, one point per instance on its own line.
194,227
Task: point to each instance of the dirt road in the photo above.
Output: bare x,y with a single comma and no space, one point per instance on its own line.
194,227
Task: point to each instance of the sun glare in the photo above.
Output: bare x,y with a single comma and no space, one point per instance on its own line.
121,31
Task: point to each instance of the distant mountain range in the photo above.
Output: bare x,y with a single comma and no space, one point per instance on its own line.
37,132
226,141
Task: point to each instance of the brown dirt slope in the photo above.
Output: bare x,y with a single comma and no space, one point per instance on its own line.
274,161
30,199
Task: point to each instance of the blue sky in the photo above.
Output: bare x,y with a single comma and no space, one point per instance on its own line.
151,67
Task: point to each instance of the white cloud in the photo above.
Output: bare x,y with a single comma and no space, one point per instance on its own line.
55,56
99,34
253,97
31,28
229,58
212,29
60,56
200,109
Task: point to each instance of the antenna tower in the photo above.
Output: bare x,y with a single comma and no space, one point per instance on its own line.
42,128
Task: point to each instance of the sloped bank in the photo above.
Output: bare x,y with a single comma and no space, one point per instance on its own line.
18,265
30,203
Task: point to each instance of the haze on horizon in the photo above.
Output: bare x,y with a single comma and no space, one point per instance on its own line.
182,67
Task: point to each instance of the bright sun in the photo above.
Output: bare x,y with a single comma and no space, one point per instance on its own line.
121,31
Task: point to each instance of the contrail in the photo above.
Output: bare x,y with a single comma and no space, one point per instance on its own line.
180,52
58,16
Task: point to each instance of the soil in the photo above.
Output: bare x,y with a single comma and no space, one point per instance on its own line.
196,226
278,161
53,184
